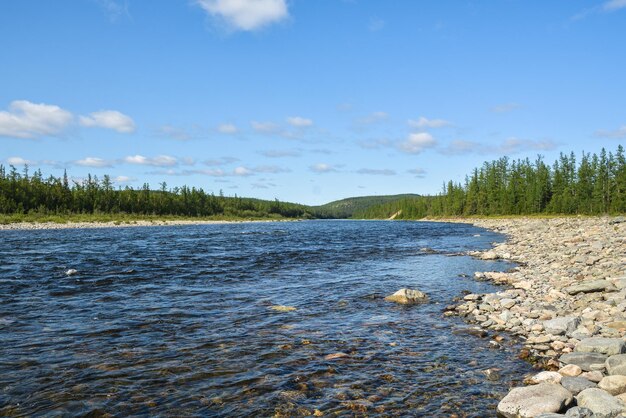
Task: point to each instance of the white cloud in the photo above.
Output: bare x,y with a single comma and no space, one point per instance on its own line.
242,171
299,122
123,179
322,168
418,172
616,134
109,119
94,162
159,161
425,123
246,15
417,142
505,107
614,5
227,128
265,127
377,172
25,119
19,161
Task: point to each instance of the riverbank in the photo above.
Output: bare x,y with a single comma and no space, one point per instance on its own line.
567,300
125,223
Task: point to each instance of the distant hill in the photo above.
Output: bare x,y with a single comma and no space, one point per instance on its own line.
346,208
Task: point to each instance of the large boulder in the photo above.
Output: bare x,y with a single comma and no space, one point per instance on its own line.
602,345
601,403
530,401
407,296
589,287
615,385
561,326
616,364
586,361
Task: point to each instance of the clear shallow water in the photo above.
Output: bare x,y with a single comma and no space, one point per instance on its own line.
176,321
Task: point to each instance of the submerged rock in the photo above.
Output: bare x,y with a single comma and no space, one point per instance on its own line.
71,272
407,296
530,401
282,308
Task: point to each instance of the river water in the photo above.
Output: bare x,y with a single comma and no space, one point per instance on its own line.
179,321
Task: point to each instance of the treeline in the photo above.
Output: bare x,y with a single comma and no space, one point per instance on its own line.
21,193
592,186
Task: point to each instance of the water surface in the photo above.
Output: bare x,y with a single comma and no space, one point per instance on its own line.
177,321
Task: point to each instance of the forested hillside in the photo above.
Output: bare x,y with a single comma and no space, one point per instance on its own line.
596,184
346,208
21,193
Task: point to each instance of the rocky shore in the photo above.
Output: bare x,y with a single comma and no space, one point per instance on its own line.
567,301
112,224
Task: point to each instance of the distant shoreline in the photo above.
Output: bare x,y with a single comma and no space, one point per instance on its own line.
32,226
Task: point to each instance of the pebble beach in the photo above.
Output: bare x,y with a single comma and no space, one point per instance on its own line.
566,300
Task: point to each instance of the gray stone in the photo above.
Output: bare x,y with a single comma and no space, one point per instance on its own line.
507,303
561,326
617,220
530,401
588,287
407,296
601,403
608,346
550,415
576,384
579,412
616,364
584,360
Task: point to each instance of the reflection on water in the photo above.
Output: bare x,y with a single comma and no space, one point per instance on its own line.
178,321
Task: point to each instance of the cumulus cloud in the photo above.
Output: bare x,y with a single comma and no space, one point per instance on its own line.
376,172
227,128
246,15
242,171
159,161
417,142
425,123
123,179
299,122
25,119
418,172
93,162
321,168
109,119
614,5
19,161
615,134
505,107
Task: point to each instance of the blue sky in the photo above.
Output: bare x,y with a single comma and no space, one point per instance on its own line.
302,100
